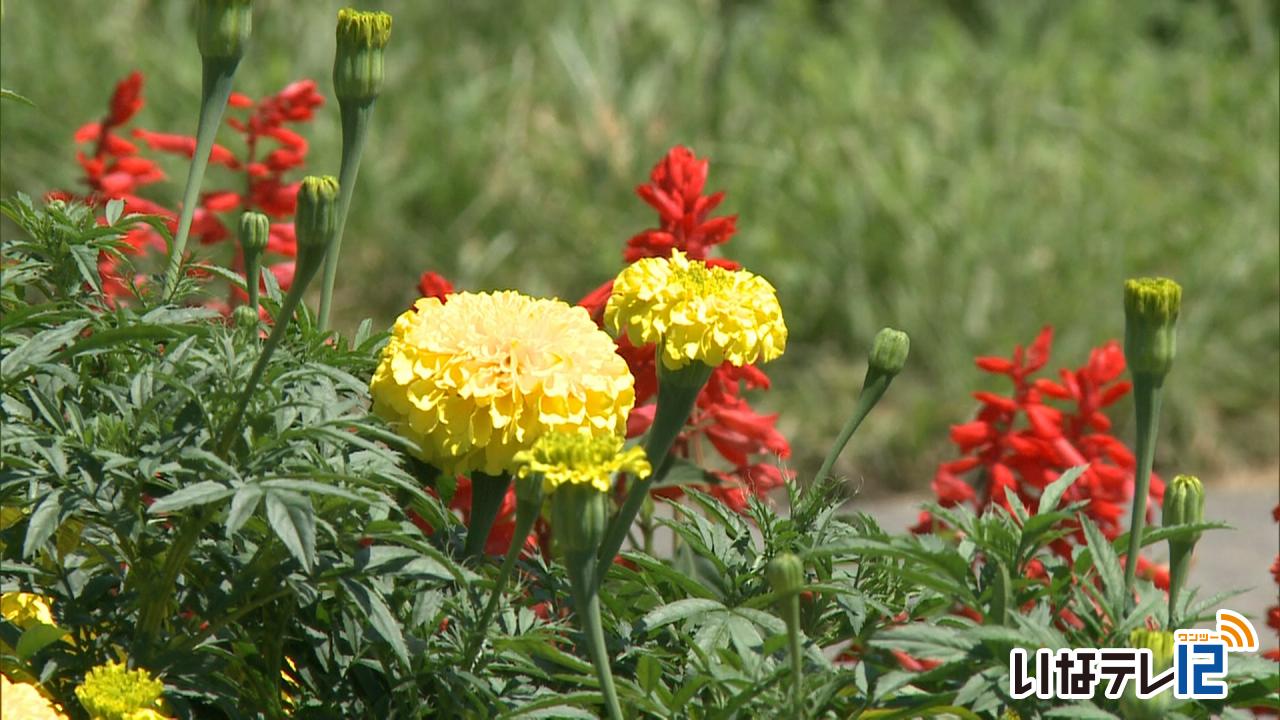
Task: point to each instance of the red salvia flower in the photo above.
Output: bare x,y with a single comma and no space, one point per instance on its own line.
1020,443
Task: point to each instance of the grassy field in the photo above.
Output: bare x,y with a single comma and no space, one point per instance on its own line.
967,171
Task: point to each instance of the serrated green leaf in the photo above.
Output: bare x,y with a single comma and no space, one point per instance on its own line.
43,523
202,493
294,521
377,613
677,611
1053,492
1107,565
7,94
243,504
37,637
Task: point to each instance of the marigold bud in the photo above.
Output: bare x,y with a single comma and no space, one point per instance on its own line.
316,218
889,351
1160,644
1184,504
1151,307
244,316
578,519
223,27
255,232
357,65
786,574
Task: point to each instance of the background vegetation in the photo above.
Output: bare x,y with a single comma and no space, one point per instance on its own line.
967,171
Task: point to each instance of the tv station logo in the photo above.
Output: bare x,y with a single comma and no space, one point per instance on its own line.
1196,670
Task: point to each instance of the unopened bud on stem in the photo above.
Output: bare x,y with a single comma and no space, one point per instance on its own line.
1151,307
786,574
315,222
889,352
223,27
357,66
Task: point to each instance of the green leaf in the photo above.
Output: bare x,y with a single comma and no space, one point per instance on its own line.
242,506
294,520
1052,492
648,673
115,208
36,638
202,493
376,611
37,349
6,94
677,611
1107,565
43,523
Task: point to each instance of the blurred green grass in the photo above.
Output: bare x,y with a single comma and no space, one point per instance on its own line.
967,171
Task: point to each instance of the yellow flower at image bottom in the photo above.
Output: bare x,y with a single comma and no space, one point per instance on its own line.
23,701
114,692
697,312
479,377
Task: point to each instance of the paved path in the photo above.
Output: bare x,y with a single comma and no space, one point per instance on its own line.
1225,559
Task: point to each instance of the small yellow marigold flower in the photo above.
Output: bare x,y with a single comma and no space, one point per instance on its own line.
478,379
114,692
578,459
25,609
697,312
23,701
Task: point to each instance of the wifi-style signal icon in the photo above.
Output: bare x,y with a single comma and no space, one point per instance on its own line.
1236,632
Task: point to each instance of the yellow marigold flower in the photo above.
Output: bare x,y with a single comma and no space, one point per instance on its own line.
25,609
114,692
23,701
477,379
697,312
578,459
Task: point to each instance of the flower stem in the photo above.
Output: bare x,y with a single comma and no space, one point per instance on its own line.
355,128
873,388
215,90
582,567
791,612
526,516
487,493
282,319
1179,566
1146,398
677,393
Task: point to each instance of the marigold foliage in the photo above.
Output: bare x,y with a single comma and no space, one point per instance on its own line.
697,312
578,459
23,701
114,692
477,380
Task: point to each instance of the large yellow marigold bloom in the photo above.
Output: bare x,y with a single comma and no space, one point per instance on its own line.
697,312
114,692
23,701
477,379
578,459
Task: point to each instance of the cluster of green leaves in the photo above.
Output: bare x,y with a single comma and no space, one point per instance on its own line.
291,574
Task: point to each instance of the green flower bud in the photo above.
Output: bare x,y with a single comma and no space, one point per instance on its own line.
1184,504
578,519
1161,646
357,65
889,351
245,316
786,574
316,218
223,27
1151,307
529,494
255,232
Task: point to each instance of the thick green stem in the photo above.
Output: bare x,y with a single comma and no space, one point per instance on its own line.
487,493
355,127
791,611
582,579
1146,398
291,301
677,392
526,516
1179,566
154,601
873,388
215,90
252,272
